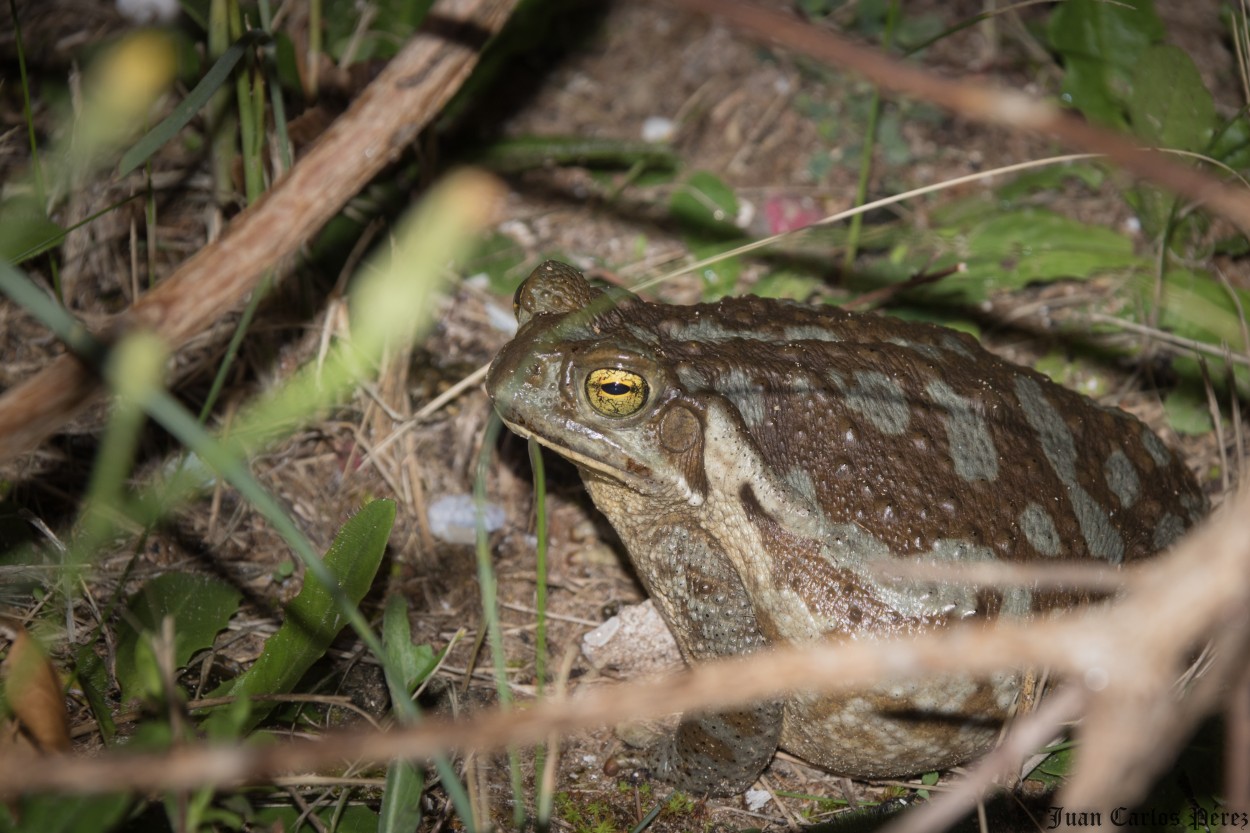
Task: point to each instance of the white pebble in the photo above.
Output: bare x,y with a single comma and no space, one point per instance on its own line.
657,129
144,12
453,518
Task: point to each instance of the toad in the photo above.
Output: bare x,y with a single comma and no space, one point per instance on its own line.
761,459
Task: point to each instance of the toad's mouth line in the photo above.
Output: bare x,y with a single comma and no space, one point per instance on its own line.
576,457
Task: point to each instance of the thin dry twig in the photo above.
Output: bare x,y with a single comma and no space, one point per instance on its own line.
409,92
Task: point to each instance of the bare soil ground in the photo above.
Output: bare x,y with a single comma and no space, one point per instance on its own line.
775,127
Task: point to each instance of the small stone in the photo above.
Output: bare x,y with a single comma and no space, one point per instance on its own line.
634,642
453,518
144,12
658,129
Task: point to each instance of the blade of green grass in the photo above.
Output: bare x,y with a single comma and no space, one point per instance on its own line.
490,606
544,791
870,144
276,104
199,96
55,317
284,149
35,165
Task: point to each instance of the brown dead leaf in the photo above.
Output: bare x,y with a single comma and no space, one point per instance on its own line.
34,694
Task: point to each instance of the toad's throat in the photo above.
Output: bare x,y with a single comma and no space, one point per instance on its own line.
632,474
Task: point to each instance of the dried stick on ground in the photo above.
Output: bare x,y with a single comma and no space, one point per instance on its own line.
388,114
1123,658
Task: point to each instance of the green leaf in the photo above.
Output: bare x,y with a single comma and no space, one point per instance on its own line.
354,818
401,800
704,204
312,618
1050,178
706,209
93,679
1075,372
1013,249
200,607
1232,143
1195,305
1188,411
1101,46
525,153
720,278
1169,106
929,779
415,662
26,230
1054,768
390,24
66,813
784,283
502,261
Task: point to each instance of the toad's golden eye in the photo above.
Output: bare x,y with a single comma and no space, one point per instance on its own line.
616,393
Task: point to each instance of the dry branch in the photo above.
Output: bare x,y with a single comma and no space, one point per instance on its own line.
1123,657
409,92
980,102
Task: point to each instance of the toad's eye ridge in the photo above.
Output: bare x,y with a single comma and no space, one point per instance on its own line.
616,393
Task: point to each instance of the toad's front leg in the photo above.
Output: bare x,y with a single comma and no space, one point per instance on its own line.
706,606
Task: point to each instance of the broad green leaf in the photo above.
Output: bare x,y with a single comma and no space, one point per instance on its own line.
1187,410
66,814
390,24
1054,768
1169,105
312,619
406,666
355,818
706,209
1195,305
1232,143
704,204
401,799
936,315
787,284
200,607
1075,373
1016,248
415,662
929,779
1051,178
720,278
26,230
1101,45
